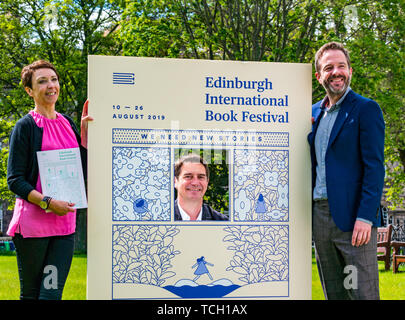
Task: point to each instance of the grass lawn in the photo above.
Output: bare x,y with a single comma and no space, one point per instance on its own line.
75,287
392,286
9,282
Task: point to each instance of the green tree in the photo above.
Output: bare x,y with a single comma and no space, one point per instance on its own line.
255,30
287,31
63,32
377,46
67,31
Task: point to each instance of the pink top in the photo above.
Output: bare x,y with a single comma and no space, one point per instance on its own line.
29,219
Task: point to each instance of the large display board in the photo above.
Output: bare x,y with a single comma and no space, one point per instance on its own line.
256,115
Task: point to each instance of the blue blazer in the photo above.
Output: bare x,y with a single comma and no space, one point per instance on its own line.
354,161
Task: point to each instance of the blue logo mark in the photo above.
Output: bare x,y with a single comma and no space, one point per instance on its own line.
123,78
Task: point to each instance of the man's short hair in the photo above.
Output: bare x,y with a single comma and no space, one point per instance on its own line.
28,71
193,158
330,46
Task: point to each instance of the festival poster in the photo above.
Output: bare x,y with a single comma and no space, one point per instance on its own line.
252,118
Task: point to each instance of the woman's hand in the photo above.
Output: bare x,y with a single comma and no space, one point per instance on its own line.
60,207
85,123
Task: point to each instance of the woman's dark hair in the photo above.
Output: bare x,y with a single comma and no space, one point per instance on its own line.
28,71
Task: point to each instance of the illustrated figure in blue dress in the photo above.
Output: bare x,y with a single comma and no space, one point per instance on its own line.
201,268
260,207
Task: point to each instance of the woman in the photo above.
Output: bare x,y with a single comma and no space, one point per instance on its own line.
42,228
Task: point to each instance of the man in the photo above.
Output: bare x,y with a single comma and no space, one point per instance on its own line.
347,153
191,176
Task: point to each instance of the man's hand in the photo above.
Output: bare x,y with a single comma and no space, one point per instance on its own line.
361,233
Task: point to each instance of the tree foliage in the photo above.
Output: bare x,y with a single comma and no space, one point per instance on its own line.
377,48
65,32
287,31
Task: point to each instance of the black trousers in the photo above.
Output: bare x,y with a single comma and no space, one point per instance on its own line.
43,265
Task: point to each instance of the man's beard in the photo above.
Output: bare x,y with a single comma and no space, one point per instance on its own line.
331,91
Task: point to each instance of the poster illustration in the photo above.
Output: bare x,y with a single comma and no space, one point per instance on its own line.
252,116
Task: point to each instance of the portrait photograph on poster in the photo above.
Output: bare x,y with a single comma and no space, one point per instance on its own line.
202,177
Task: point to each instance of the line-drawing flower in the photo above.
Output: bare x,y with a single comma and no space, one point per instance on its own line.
261,253
141,175
261,174
143,254
242,205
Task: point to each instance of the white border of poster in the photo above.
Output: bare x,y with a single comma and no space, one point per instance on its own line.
146,110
